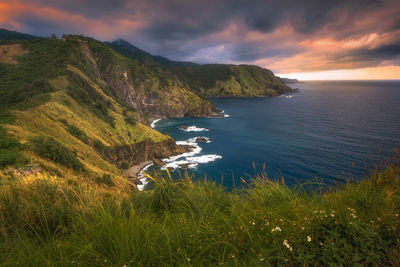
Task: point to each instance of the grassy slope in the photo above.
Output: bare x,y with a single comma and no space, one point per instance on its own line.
211,79
40,104
231,80
46,220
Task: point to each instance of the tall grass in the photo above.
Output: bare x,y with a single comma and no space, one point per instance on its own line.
48,220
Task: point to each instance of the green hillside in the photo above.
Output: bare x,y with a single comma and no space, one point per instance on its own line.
215,80
75,113
221,80
77,104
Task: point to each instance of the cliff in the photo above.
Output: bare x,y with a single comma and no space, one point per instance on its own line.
77,104
213,80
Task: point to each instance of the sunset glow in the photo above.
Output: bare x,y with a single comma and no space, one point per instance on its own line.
300,39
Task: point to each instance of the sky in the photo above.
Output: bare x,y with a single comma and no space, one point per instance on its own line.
304,39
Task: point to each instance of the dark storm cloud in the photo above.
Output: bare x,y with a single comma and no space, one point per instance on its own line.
229,30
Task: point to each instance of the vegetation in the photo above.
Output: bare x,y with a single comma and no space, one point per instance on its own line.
85,94
78,133
231,80
93,216
49,220
49,148
13,36
9,149
209,79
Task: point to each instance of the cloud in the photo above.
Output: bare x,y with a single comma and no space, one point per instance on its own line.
284,35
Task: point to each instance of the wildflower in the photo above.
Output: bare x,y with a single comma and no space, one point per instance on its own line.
285,243
332,214
308,238
397,215
320,243
188,259
353,215
124,265
254,223
276,229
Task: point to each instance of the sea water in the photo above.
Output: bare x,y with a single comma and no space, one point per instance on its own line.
330,131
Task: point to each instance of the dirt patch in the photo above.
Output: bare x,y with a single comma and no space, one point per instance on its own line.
8,53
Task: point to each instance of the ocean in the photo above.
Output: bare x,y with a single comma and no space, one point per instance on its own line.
328,131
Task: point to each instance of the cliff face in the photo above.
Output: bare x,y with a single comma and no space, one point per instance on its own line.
214,80
95,104
143,151
232,80
89,102
149,90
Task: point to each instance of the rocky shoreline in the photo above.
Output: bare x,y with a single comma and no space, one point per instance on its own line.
134,172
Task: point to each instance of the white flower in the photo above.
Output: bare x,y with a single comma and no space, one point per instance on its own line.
285,243
276,229
308,238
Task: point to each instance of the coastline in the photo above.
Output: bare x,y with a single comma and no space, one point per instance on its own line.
134,170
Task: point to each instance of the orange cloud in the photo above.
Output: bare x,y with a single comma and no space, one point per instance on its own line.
376,73
11,13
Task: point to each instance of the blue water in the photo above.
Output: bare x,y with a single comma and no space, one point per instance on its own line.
328,130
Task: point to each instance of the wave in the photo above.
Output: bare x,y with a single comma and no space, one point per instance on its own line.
154,122
192,162
189,159
142,177
204,158
193,128
142,186
287,96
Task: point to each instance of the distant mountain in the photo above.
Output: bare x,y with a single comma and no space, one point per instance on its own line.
289,81
129,50
12,35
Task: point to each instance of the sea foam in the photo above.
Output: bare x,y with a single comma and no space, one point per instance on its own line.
194,128
154,122
189,159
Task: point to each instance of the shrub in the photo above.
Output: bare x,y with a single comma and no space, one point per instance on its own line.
8,149
85,94
105,179
49,148
99,146
78,133
130,119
